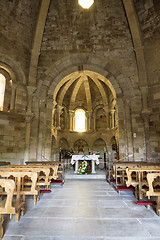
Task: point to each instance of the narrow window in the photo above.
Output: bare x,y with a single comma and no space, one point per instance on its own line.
80,120
2,90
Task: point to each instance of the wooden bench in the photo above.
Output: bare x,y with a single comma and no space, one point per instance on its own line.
53,169
43,179
139,181
6,207
119,170
153,191
20,190
4,163
60,171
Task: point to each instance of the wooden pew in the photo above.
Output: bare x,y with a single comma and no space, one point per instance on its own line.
60,171
140,181
53,169
43,172
152,191
119,169
4,163
6,207
20,190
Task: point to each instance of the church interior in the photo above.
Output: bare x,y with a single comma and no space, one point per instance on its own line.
80,80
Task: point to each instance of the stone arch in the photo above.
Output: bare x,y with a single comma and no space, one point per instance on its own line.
85,144
13,69
59,73
90,62
63,143
99,144
114,148
15,81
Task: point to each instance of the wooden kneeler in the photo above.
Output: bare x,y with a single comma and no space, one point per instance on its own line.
146,203
57,182
124,188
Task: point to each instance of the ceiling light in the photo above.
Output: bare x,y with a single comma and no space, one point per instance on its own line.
85,3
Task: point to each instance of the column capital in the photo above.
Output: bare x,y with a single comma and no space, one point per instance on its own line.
146,114
112,111
31,89
29,117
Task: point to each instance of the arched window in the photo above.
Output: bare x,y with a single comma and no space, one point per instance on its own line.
2,90
80,120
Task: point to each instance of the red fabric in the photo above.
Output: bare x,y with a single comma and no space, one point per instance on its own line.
57,181
45,191
145,202
112,180
124,188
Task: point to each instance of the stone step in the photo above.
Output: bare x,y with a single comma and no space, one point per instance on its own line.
71,175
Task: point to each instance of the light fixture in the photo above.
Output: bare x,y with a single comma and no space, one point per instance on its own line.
85,3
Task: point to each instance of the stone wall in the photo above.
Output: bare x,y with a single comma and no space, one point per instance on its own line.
17,23
12,137
97,39
149,18
101,30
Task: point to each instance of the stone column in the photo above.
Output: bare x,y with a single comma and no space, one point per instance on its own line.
59,108
13,95
70,120
66,120
112,118
129,132
29,118
144,91
94,122
73,121
146,119
107,117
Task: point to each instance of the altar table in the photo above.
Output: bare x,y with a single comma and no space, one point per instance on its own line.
93,158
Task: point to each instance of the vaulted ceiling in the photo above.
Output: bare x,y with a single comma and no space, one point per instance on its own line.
84,89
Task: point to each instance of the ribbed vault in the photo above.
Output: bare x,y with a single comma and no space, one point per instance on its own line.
84,89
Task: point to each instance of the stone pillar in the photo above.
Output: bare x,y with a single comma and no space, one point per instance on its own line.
129,132
107,116
144,91
29,117
70,120
146,119
13,95
89,121
66,120
59,108
73,121
94,122
112,118
48,124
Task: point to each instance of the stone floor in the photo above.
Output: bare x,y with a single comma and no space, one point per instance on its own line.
84,210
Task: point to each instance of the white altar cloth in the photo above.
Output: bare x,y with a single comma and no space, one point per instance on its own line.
93,158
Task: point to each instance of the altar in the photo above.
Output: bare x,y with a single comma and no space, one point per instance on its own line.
93,158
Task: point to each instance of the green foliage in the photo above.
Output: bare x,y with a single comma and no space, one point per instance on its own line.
84,168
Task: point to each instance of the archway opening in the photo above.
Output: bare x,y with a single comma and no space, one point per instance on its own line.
80,120
2,90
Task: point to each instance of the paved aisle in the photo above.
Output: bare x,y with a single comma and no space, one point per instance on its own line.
85,210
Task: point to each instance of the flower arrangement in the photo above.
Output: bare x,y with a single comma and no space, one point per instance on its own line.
95,153
84,168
